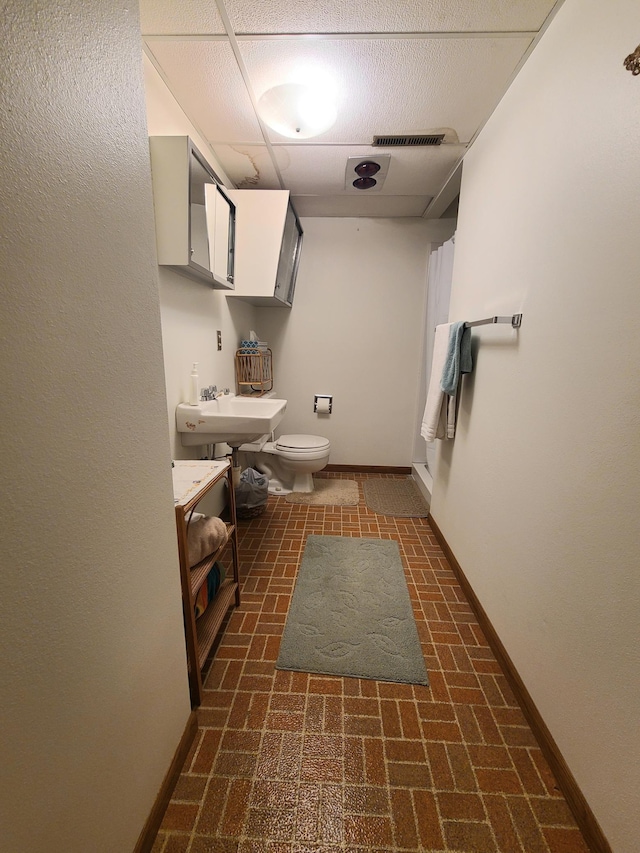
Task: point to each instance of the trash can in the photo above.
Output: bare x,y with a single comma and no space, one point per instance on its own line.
251,493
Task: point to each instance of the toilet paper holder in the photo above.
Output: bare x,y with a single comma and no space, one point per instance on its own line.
323,404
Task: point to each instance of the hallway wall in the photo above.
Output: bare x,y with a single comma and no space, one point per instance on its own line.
94,696
538,496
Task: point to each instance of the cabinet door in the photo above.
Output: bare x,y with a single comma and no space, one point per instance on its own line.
289,257
220,217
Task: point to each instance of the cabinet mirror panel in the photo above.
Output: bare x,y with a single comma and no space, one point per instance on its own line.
289,257
212,221
199,178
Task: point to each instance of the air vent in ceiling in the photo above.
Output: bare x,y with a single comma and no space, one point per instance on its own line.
395,141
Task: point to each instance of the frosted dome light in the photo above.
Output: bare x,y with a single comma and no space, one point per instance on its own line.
297,111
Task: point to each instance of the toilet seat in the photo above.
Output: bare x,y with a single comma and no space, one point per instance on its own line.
302,444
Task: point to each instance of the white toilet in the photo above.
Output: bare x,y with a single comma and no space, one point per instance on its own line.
290,461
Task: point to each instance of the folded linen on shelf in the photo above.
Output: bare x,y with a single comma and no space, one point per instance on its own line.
204,536
209,588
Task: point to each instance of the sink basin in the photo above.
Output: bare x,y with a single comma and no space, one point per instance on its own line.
234,420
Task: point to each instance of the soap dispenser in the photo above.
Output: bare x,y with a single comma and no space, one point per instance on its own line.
194,388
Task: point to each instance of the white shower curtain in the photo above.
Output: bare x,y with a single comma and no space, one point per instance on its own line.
438,298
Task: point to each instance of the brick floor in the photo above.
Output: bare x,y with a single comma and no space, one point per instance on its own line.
289,762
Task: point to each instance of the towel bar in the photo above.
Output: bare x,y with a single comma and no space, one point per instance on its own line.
514,319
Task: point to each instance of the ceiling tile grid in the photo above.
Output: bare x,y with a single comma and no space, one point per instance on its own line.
409,67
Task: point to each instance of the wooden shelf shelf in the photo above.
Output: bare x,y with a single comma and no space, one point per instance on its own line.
208,625
200,571
191,482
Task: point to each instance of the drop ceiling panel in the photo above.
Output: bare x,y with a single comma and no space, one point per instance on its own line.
176,16
359,16
248,166
420,171
204,78
393,86
348,205
321,168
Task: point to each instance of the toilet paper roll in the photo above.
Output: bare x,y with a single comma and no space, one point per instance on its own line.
323,405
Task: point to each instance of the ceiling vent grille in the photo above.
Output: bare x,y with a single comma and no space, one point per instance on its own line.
397,141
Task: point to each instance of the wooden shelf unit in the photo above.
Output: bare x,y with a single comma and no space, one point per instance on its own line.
192,481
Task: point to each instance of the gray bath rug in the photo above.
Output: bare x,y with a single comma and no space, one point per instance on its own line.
351,614
398,497
327,492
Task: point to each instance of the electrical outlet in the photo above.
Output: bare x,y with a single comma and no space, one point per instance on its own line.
219,340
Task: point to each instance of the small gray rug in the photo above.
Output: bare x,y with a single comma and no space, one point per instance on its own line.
351,614
397,497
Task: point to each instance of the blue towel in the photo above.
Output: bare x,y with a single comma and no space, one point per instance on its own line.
458,358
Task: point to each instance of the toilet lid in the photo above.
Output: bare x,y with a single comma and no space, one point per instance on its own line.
302,442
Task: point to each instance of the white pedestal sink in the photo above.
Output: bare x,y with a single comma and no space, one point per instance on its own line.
234,420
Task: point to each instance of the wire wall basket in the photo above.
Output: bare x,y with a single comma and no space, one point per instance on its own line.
254,372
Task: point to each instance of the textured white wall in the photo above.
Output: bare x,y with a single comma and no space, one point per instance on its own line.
539,495
191,311
94,691
355,331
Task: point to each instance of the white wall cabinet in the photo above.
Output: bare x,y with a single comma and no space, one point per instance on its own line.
195,218
268,244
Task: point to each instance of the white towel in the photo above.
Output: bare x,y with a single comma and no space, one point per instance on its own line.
439,419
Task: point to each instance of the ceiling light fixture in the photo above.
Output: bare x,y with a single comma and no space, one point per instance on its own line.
296,110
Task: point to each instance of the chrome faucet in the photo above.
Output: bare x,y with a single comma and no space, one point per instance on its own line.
209,393
212,393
